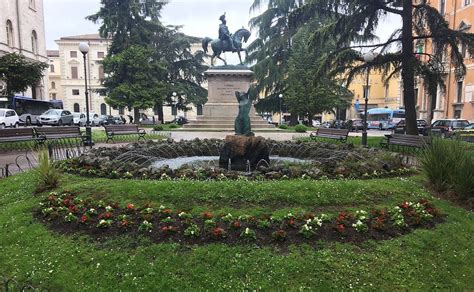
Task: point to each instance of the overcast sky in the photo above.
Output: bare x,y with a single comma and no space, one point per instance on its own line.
198,17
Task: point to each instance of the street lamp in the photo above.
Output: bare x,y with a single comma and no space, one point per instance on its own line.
84,48
175,105
280,96
368,57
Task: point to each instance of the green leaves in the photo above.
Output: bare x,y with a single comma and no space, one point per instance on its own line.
19,73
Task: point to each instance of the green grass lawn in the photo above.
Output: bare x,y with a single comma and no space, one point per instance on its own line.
424,259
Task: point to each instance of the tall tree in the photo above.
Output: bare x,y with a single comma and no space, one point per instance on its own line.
135,27
270,51
19,73
355,21
306,95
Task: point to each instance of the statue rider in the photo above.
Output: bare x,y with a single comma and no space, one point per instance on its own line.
224,33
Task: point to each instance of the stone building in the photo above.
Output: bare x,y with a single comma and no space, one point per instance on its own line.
22,32
54,76
458,100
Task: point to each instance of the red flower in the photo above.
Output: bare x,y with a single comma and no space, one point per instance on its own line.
167,211
217,232
236,224
130,206
84,219
52,198
106,215
124,223
292,222
404,205
207,215
341,228
73,209
66,202
379,220
115,205
168,229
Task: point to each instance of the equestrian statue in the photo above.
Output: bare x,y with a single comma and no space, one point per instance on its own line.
227,42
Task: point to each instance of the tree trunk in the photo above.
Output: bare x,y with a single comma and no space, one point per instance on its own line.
161,117
408,72
136,116
293,119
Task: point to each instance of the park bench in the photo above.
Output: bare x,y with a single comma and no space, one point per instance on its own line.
337,134
52,133
116,130
18,135
403,140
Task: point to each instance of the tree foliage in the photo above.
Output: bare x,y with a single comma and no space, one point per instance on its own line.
305,94
18,73
355,21
147,61
270,51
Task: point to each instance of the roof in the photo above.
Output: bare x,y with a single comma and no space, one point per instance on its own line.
52,53
92,36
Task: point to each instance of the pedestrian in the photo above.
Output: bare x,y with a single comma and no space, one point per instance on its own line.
131,119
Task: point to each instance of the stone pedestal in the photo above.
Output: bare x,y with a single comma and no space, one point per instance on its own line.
222,107
243,153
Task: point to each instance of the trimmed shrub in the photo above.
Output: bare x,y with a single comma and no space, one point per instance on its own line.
283,127
301,128
173,126
158,128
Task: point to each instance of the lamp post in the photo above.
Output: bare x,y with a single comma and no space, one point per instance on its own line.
368,57
175,105
280,96
84,48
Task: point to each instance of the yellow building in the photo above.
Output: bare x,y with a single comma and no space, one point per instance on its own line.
458,100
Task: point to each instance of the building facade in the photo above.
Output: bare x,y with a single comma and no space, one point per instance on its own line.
22,23
458,99
54,75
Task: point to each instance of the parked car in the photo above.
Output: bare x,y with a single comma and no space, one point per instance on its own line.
117,121
466,134
356,124
79,119
180,120
102,120
56,117
401,126
8,118
445,128
316,123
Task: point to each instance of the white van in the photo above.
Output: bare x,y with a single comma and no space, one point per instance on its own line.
8,118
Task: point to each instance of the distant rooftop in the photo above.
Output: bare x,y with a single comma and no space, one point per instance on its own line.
52,53
92,36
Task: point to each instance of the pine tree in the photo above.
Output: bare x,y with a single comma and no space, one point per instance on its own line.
355,21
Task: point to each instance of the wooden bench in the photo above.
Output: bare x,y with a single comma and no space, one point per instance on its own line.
116,130
413,141
337,134
18,135
51,133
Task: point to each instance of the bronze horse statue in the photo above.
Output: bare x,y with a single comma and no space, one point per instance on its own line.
218,46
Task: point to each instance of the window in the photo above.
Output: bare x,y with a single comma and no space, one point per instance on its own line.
121,111
459,91
73,54
103,109
9,28
74,72
53,85
33,4
442,7
34,42
467,2
199,109
457,114
76,108
100,55
53,96
75,92
101,72
51,68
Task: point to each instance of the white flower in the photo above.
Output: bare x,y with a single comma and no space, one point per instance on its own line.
109,209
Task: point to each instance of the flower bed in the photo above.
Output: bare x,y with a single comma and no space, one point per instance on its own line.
324,160
67,213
